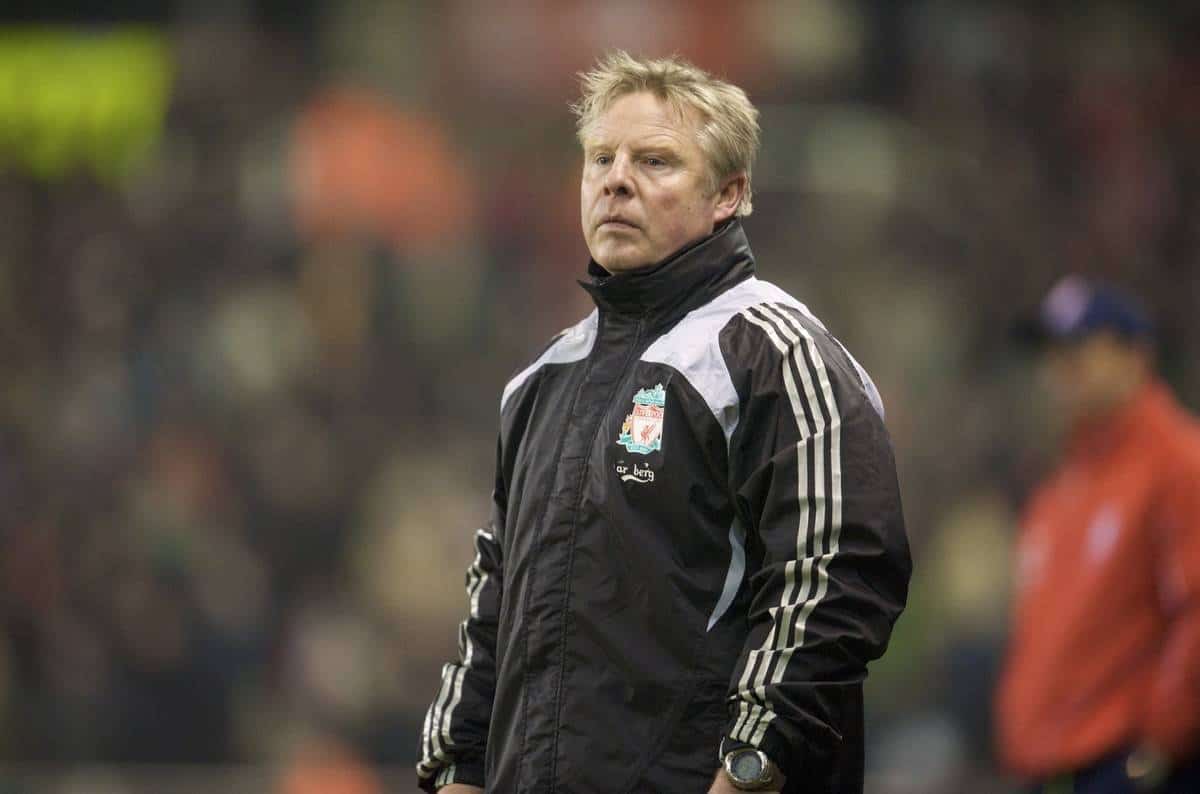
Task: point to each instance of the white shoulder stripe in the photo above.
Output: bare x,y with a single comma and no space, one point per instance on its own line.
574,345
776,295
693,346
868,385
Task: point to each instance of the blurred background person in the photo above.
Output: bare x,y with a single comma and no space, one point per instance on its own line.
1101,689
264,264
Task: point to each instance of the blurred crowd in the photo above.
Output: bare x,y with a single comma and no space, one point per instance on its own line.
250,389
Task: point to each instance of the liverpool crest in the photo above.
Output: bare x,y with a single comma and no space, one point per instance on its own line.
642,430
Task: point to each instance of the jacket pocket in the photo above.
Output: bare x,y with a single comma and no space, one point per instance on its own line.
688,758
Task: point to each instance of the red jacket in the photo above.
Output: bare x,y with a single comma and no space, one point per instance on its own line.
1105,650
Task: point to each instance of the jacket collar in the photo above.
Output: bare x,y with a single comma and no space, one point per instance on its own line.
683,281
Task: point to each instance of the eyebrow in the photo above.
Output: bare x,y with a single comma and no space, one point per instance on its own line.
658,143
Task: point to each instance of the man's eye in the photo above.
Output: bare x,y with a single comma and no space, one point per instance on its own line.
602,159
655,161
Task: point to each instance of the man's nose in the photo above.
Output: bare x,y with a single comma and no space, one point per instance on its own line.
617,181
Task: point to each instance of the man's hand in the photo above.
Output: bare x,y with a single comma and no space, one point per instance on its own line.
460,788
723,785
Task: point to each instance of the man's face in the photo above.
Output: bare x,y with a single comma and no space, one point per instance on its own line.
645,192
1094,375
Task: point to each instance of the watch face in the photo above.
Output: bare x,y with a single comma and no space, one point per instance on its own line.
746,767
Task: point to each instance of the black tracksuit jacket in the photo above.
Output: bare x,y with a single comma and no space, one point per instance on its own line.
696,543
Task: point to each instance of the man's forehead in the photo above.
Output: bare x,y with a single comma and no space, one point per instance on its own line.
643,116
598,135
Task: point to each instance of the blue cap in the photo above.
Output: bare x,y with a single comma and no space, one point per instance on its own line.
1076,308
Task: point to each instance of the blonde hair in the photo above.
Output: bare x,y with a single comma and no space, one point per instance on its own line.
728,122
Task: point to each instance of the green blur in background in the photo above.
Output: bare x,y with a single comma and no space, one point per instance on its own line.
77,100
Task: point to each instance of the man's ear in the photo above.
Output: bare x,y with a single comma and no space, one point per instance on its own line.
729,196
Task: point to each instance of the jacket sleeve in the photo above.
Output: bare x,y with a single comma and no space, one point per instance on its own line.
814,478
1172,719
454,734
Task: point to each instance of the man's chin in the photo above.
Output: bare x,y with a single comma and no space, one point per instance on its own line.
622,261
625,267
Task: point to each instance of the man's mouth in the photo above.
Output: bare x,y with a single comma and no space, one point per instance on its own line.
618,222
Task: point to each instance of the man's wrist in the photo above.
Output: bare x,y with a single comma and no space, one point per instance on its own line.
778,780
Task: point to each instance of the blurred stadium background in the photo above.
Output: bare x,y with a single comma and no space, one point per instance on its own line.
265,267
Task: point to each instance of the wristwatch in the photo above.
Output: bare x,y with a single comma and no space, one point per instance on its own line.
749,769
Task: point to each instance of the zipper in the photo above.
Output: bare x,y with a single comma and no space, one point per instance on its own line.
579,488
531,579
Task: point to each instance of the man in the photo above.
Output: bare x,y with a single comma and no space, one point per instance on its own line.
1101,692
697,543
